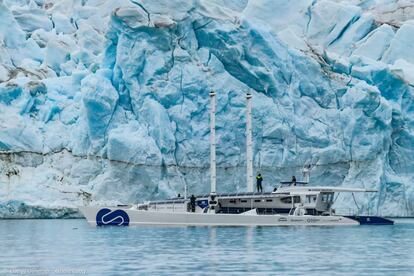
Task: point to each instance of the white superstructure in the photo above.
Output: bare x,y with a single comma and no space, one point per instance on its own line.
288,205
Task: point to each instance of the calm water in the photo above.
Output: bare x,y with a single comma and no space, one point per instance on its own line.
52,247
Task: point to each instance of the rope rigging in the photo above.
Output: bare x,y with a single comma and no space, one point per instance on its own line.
353,196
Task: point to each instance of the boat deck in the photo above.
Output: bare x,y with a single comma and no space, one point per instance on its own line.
178,200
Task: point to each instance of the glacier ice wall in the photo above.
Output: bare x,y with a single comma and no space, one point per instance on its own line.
107,101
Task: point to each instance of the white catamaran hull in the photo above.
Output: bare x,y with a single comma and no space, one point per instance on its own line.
305,205
119,216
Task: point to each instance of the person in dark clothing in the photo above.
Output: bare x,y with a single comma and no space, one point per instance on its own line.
293,180
193,203
259,180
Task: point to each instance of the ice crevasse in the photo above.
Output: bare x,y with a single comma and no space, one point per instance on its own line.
107,101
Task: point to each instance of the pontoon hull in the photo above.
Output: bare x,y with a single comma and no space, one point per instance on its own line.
123,216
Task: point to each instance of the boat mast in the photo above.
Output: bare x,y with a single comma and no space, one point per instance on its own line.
213,142
249,144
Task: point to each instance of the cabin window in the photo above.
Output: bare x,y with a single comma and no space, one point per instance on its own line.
232,201
311,212
327,197
257,200
243,200
296,199
310,198
269,200
286,200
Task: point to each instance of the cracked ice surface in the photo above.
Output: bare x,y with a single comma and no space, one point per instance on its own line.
111,98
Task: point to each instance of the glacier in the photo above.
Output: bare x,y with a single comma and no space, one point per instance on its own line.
107,101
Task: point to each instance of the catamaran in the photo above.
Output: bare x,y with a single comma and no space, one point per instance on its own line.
290,203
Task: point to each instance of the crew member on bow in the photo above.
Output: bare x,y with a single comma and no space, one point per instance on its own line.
259,180
293,180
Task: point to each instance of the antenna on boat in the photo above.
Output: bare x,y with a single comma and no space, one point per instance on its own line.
306,171
213,142
249,144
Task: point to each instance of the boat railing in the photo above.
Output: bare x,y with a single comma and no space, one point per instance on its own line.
356,212
240,210
238,194
170,206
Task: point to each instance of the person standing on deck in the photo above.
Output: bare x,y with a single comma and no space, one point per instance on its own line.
192,203
259,180
293,180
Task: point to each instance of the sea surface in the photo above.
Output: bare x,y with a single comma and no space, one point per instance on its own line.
73,247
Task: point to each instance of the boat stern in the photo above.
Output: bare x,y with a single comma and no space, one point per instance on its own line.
371,220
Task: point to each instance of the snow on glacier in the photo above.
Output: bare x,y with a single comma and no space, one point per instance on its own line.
108,100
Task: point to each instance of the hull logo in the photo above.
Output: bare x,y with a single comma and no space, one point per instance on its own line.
107,217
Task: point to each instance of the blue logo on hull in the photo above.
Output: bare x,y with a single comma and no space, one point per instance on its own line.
107,217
